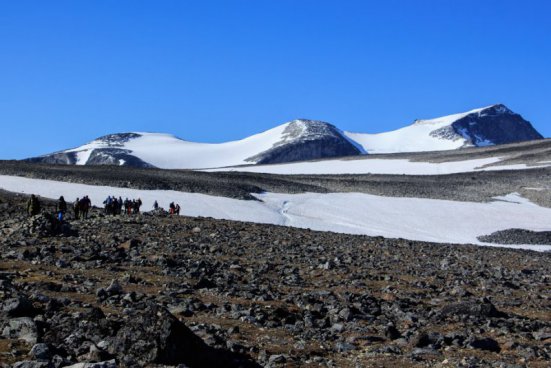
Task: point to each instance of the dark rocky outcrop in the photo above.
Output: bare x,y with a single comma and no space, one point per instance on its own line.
115,156
495,125
59,158
518,236
307,140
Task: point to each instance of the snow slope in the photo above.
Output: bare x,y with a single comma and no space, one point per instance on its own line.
366,165
169,152
355,213
418,137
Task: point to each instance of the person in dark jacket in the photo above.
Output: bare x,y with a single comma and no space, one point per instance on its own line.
76,207
61,208
33,206
137,206
84,207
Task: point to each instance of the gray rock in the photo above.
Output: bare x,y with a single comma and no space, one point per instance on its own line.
114,288
32,364
23,328
343,347
107,364
40,351
485,344
18,307
277,359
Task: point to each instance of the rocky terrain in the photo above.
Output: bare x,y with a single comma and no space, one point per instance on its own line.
153,290
518,236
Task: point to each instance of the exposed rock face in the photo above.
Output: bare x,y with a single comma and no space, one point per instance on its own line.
495,125
59,158
307,140
113,154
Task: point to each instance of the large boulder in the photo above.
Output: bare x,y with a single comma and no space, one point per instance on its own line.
153,335
23,328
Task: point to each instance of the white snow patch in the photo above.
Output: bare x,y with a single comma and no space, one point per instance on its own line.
83,156
432,220
369,166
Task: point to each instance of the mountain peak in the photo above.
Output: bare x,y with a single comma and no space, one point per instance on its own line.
300,140
497,109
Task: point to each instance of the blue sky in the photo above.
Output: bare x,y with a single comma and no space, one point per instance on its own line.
213,71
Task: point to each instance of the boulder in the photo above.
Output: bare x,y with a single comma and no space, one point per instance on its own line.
23,328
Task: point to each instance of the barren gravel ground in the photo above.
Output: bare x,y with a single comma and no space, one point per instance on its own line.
151,290
190,290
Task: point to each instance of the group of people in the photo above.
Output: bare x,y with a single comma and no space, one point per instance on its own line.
116,206
174,209
81,207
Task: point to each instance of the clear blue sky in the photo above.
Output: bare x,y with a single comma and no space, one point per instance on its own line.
212,71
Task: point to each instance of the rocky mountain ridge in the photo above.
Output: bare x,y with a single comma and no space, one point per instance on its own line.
300,140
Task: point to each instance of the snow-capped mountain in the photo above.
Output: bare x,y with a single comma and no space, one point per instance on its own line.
300,140
293,141
486,126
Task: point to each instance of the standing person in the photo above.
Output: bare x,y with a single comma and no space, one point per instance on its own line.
107,203
61,208
119,207
137,206
114,206
76,207
155,205
85,204
177,209
171,208
127,206
33,206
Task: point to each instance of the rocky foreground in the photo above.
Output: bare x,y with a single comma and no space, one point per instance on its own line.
152,290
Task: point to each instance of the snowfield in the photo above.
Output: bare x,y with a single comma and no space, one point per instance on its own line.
431,220
368,165
169,152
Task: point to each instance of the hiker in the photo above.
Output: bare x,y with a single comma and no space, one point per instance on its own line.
76,208
127,206
33,206
155,206
114,206
172,208
108,201
177,209
84,205
137,206
119,206
61,208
